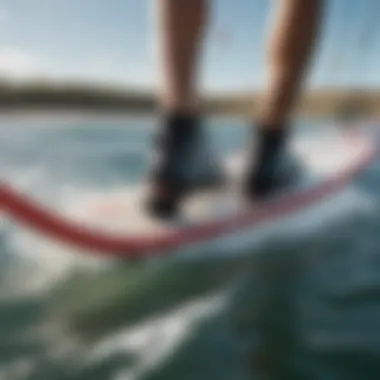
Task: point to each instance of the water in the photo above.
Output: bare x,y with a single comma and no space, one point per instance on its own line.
308,308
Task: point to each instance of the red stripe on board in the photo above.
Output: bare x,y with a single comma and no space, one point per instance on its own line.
36,217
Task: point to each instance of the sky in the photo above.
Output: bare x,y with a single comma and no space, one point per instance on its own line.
115,41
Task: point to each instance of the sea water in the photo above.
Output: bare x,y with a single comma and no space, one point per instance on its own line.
307,308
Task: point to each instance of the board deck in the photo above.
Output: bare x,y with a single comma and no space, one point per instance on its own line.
123,211
115,223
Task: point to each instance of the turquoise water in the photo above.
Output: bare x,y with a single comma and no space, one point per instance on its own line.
304,309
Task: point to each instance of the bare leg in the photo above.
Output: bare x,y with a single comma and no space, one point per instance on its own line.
182,24
291,46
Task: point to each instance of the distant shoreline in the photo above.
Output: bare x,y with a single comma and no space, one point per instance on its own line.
45,114
60,116
79,101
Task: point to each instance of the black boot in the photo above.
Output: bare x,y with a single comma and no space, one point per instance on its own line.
185,165
272,169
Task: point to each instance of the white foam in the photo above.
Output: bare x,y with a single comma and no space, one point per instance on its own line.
156,340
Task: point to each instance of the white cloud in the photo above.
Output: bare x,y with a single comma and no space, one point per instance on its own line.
103,69
18,64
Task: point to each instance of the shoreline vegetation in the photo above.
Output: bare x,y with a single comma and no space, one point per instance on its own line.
90,98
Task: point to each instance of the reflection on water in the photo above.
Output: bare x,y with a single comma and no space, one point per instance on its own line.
308,308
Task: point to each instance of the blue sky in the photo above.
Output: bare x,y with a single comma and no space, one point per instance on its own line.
114,41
